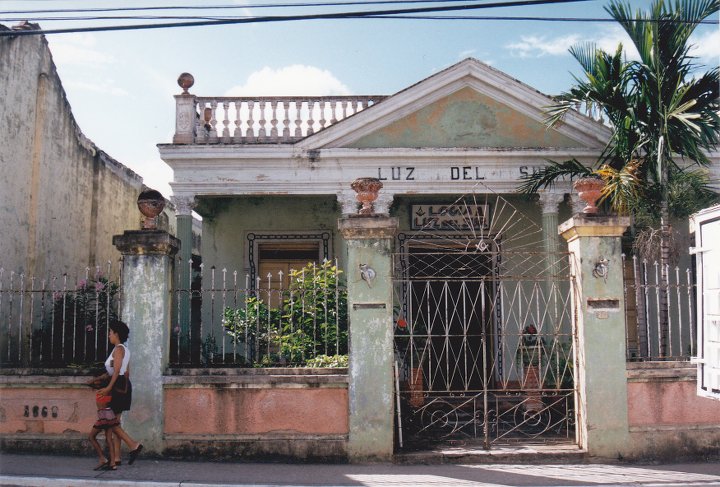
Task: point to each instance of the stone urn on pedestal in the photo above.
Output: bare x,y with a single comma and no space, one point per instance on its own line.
151,204
367,192
589,189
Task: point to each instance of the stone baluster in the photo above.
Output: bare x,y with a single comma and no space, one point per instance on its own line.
333,110
212,132
322,106
262,133
237,133
286,121
226,121
274,120
344,106
310,121
298,119
251,122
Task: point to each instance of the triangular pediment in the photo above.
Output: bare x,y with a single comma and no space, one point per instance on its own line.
469,105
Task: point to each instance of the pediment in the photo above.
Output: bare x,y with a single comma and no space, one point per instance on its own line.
469,105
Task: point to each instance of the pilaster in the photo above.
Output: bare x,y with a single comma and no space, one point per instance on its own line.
369,242
146,308
598,311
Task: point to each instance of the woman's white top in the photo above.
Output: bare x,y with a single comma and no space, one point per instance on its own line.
126,360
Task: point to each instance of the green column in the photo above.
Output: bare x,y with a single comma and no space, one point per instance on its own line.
148,257
369,242
599,307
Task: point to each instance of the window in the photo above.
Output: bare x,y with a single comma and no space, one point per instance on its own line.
707,238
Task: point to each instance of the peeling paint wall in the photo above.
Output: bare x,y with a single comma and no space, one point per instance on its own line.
226,222
62,198
466,119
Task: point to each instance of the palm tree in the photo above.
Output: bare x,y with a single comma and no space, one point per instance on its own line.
663,119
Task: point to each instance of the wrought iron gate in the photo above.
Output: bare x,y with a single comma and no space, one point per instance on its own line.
484,341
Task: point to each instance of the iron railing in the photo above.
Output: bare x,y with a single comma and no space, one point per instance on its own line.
57,321
649,336
224,320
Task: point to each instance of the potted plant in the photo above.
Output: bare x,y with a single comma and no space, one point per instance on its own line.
531,357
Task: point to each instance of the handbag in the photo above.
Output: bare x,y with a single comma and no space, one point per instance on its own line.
116,387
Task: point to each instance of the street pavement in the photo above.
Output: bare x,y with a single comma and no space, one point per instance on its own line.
76,471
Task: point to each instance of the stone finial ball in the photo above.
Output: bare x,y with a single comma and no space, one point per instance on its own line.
151,203
185,81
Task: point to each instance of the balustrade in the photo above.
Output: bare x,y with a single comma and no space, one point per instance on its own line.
263,120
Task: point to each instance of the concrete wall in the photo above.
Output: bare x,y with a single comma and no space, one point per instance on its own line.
62,197
224,412
667,418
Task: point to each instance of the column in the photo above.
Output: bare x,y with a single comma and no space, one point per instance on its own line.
598,311
369,242
549,202
148,257
183,211
348,202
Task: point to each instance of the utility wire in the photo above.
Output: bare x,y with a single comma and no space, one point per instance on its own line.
288,18
392,17
226,7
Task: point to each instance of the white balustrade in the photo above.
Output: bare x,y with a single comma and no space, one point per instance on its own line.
244,120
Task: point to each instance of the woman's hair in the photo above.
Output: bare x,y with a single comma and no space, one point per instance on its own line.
121,329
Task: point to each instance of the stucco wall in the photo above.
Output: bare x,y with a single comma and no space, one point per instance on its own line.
62,198
666,416
298,412
466,118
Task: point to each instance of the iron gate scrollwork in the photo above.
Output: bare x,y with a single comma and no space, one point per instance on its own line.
484,343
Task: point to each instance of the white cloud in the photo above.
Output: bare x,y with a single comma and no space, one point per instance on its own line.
78,49
539,46
706,46
293,80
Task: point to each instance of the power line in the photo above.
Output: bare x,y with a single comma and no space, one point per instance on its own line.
390,17
288,18
233,7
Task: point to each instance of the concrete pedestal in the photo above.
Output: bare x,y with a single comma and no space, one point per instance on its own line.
599,307
146,308
370,297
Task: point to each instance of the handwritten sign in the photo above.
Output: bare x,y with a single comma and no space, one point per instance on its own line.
449,217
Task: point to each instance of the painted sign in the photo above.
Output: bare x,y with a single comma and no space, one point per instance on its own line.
449,217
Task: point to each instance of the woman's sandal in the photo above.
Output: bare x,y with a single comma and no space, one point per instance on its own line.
102,466
135,453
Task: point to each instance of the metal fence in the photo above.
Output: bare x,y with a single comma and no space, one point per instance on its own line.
660,319
57,321
298,318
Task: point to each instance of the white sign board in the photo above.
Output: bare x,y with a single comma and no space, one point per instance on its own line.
453,217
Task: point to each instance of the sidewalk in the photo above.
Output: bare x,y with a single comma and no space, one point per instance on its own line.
49,470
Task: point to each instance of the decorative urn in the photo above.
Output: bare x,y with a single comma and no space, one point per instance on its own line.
590,190
367,192
151,204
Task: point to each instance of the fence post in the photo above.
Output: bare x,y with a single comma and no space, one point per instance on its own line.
148,262
598,313
369,242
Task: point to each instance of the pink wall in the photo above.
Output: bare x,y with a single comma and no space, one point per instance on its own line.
664,394
49,410
670,403
256,411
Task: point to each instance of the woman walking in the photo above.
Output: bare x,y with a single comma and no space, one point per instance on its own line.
117,367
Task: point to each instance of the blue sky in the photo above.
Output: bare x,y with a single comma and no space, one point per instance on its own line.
121,84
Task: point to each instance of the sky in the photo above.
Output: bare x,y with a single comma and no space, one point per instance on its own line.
120,85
